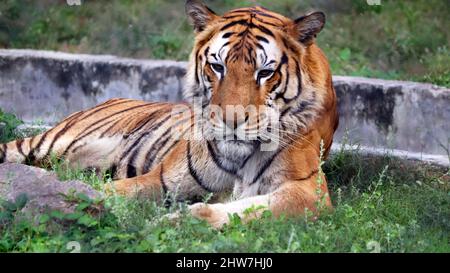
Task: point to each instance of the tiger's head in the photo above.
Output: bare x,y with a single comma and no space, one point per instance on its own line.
259,61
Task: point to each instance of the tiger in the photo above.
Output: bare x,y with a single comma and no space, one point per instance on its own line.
245,57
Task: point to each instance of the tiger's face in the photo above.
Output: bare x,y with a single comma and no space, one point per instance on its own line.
249,72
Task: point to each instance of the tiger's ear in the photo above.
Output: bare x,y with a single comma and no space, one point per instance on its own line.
308,26
199,14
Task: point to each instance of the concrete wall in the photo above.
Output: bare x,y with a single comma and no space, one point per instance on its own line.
393,114
47,86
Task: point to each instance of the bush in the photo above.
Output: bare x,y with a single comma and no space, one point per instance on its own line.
405,40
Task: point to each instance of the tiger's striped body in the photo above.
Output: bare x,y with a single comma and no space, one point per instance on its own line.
247,57
128,137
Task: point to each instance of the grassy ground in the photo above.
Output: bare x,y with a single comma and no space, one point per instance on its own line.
397,40
380,204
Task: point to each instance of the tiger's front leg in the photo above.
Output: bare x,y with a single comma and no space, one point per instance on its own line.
186,174
292,198
150,185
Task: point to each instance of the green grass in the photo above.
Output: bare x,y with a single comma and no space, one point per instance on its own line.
8,124
380,204
406,40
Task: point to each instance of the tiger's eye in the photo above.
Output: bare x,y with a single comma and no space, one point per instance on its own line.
265,73
218,68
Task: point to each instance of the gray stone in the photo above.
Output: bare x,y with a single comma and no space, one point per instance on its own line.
43,189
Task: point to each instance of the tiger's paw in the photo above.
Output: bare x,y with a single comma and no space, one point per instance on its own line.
214,214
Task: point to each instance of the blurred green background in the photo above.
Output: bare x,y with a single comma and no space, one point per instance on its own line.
406,40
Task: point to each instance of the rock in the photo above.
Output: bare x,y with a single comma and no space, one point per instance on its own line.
42,188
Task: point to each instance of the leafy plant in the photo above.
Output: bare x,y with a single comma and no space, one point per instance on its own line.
8,124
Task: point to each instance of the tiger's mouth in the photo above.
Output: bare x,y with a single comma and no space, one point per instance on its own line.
240,142
235,150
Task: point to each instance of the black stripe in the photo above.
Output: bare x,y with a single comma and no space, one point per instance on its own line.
175,143
244,33
110,128
239,22
246,160
233,16
97,109
262,39
284,59
193,171
80,137
285,111
303,106
213,155
299,79
68,125
149,118
115,114
136,145
267,15
19,143
161,178
275,87
197,79
131,171
266,58
299,86
265,166
133,146
170,148
31,155
263,29
265,22
112,171
159,144
227,35
289,46
3,153
83,133
224,45
286,84
154,150
281,94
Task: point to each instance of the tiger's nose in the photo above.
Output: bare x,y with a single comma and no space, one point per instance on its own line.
235,120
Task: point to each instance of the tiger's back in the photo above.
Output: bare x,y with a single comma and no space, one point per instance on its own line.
128,137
